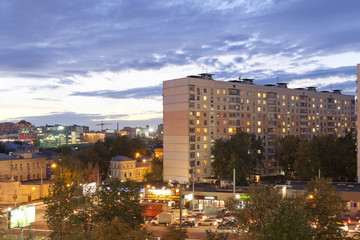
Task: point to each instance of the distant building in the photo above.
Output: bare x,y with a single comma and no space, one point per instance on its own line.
158,151
93,137
54,135
198,110
10,128
160,132
123,168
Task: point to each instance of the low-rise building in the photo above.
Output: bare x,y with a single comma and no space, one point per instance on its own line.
22,166
123,168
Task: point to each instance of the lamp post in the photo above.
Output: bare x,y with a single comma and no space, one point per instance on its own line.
41,180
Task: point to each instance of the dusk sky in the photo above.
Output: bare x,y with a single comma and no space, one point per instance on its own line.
86,61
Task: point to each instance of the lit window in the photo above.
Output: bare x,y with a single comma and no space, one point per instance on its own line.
248,130
224,91
284,123
205,162
198,114
248,123
259,130
205,138
197,122
284,130
205,98
205,130
283,97
205,146
292,98
264,102
313,130
259,123
264,95
198,130
259,94
217,91
259,109
197,154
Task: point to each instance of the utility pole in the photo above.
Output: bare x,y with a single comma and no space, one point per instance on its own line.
234,181
193,191
180,206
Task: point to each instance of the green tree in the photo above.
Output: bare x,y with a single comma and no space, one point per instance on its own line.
305,166
324,204
288,220
286,154
119,230
155,174
175,233
347,156
211,235
242,152
60,208
252,213
120,201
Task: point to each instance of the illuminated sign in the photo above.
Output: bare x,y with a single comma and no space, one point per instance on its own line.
242,196
22,216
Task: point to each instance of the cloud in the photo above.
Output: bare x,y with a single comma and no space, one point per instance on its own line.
72,50
138,93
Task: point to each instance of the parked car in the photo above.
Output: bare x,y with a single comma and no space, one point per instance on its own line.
215,218
227,225
207,222
188,224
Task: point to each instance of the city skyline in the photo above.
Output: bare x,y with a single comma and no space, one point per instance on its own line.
83,62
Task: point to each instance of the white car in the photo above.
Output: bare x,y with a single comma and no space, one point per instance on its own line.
207,222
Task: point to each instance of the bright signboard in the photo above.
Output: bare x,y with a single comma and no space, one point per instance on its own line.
22,216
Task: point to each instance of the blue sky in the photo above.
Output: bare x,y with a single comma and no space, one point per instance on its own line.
87,61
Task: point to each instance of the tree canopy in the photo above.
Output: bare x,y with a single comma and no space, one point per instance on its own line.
242,152
268,215
303,160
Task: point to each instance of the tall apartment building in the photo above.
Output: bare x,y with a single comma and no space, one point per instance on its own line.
198,110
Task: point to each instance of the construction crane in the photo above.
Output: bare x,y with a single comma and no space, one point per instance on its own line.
102,124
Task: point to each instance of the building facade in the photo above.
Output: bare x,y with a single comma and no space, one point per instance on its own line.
22,166
198,110
123,168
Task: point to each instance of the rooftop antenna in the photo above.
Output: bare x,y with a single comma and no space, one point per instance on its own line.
277,79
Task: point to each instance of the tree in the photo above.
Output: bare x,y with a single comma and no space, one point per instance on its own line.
347,156
254,211
242,152
286,154
324,204
175,233
210,235
120,201
60,208
288,220
119,230
305,166
266,214
155,174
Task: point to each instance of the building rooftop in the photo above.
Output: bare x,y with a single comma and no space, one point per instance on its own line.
121,159
5,157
